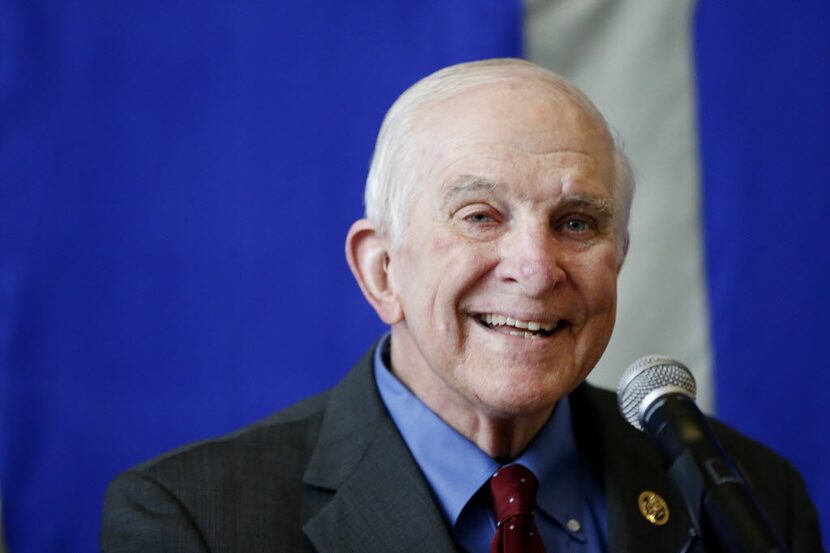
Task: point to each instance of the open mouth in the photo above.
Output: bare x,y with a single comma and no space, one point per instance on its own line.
516,327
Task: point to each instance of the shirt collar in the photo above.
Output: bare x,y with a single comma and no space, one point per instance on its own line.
453,465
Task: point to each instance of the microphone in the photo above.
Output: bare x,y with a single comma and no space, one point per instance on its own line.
656,394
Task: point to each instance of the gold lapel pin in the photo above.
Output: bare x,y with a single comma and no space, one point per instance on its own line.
653,508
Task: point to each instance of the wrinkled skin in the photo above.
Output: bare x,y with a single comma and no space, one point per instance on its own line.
512,215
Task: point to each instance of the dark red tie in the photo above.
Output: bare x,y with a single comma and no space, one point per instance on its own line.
514,493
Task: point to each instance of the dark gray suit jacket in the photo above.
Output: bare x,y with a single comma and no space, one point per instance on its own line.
332,474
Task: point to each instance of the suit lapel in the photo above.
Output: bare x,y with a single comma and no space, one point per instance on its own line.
630,465
377,498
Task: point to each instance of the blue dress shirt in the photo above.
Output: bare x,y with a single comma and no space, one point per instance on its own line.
570,503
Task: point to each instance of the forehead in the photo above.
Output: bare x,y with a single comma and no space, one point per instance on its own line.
512,130
532,116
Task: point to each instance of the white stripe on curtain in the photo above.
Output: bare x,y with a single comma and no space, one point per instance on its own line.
634,59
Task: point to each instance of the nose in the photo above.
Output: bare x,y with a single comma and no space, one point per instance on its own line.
532,260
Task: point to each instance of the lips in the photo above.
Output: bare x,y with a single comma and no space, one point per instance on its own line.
518,327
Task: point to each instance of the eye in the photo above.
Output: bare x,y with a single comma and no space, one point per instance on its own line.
479,220
478,214
479,217
578,225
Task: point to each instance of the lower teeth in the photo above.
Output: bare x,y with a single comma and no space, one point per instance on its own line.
526,335
519,332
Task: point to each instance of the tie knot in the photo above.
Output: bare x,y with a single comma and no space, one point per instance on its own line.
514,491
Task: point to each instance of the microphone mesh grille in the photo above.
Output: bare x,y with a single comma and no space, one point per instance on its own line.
646,375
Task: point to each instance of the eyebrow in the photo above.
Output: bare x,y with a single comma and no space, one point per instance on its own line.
604,206
466,184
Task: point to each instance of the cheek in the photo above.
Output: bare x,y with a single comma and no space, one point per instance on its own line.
422,273
451,260
440,270
442,244
597,281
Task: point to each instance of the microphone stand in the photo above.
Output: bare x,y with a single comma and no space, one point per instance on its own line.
723,512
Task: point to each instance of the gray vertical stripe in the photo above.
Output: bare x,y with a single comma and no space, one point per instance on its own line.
634,59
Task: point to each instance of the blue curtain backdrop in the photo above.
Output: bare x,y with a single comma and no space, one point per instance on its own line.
176,181
763,84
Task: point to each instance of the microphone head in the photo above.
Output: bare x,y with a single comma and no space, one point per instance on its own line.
648,379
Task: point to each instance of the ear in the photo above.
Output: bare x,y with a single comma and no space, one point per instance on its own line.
367,252
623,251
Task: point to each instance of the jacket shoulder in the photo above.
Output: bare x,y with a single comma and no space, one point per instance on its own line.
281,442
243,488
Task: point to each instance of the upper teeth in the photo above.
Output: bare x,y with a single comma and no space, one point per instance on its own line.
500,320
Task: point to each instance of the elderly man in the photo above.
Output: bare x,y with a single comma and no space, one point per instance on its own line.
497,208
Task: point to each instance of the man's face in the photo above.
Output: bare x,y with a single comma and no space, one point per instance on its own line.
507,274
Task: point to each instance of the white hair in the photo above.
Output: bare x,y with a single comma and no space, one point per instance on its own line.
390,186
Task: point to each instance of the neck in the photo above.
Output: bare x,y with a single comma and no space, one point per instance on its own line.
502,439
501,435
